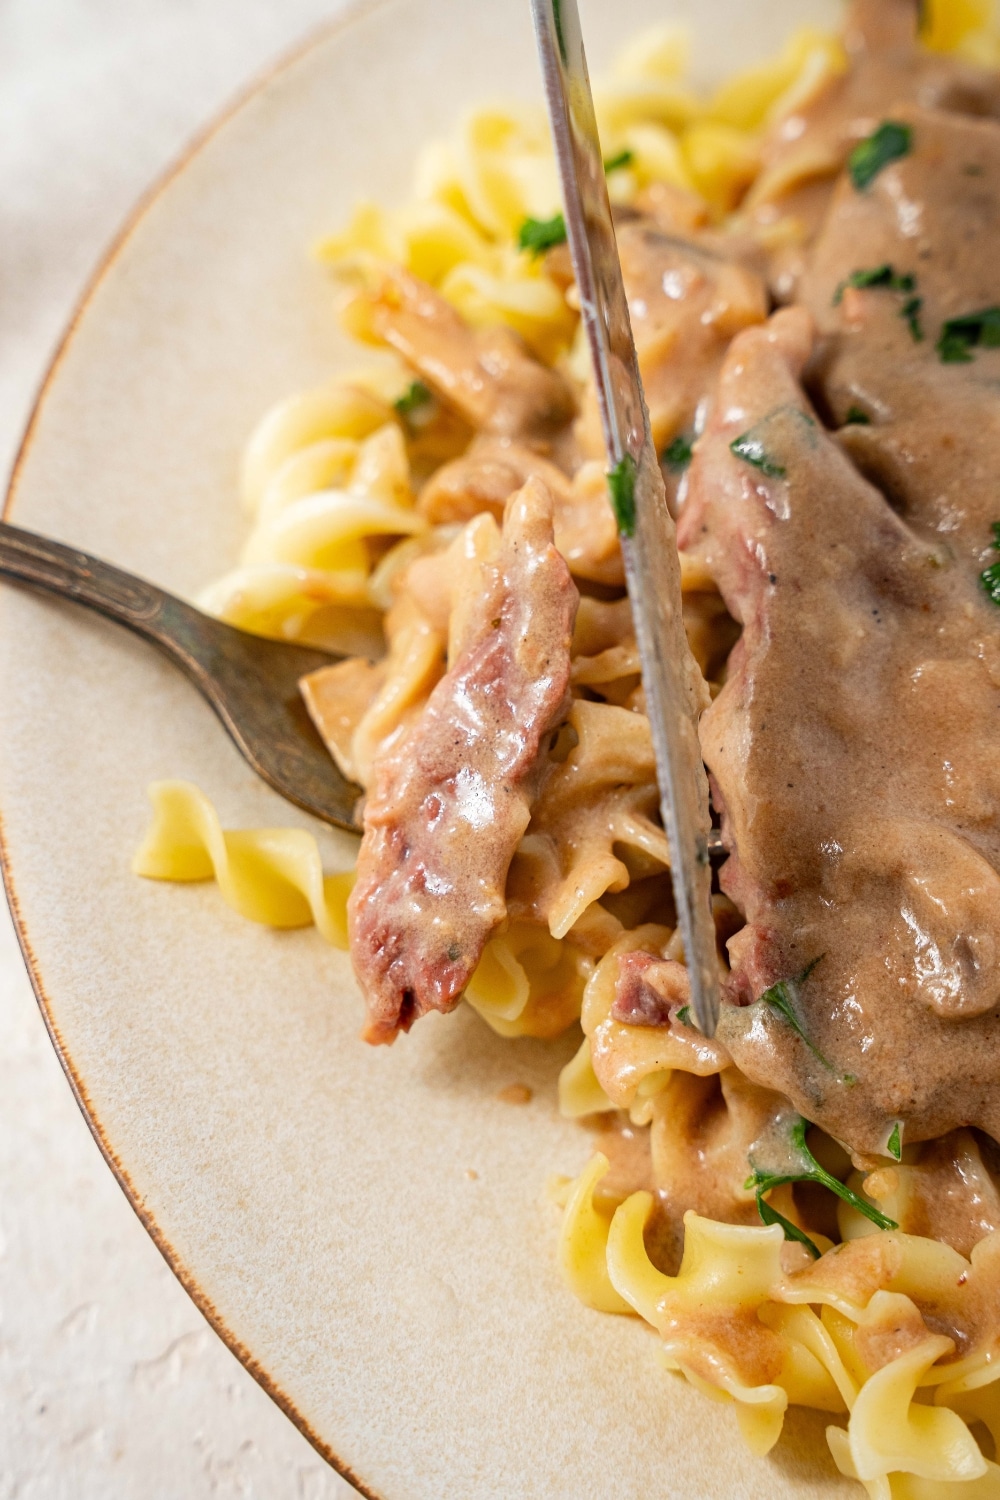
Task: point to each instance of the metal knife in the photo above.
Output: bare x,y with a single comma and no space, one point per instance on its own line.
648,536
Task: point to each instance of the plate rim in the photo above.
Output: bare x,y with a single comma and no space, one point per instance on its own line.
353,12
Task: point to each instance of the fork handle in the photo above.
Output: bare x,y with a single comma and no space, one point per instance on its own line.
76,575
162,618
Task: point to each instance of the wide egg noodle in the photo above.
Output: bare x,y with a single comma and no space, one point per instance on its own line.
268,875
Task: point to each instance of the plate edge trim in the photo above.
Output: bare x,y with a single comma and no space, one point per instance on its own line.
355,11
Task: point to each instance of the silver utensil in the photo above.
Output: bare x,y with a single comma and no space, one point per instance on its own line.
648,535
252,683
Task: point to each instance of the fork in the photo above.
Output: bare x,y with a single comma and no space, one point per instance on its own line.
251,682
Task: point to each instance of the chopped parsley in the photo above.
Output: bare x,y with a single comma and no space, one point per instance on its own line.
959,336
677,455
684,1015
619,161
888,143
752,451
910,310
874,276
780,431
885,277
792,1231
894,1145
560,35
782,997
414,398
857,417
781,1155
538,235
990,578
621,484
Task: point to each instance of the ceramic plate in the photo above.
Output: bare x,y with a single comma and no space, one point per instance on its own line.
367,1229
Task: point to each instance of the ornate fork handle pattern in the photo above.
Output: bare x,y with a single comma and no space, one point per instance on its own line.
251,682
74,574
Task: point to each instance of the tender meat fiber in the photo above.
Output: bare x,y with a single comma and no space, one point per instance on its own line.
806,150
853,751
488,378
649,989
452,798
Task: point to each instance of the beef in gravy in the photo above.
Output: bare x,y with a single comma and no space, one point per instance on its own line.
452,798
842,496
807,149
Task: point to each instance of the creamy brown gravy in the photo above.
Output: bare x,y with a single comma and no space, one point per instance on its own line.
865,698
686,304
854,748
806,151
853,751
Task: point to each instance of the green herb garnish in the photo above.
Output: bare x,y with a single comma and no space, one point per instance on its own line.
560,37
771,1215
538,235
621,159
752,451
781,1155
621,483
857,417
785,425
910,310
782,996
894,1145
875,276
413,399
990,578
684,1015
884,277
972,331
888,143
678,454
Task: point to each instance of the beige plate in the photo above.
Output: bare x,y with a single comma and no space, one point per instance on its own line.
367,1229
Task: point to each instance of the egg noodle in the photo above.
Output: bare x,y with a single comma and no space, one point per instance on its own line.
366,537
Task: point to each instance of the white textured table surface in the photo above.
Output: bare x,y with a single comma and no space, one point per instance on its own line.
112,1386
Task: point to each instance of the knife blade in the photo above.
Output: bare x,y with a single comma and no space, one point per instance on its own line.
671,679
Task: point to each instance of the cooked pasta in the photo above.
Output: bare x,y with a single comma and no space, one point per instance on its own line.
269,875
441,518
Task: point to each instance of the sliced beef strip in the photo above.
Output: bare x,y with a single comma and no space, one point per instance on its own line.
929,431
489,472
853,755
451,800
686,303
807,149
488,377
932,214
649,989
